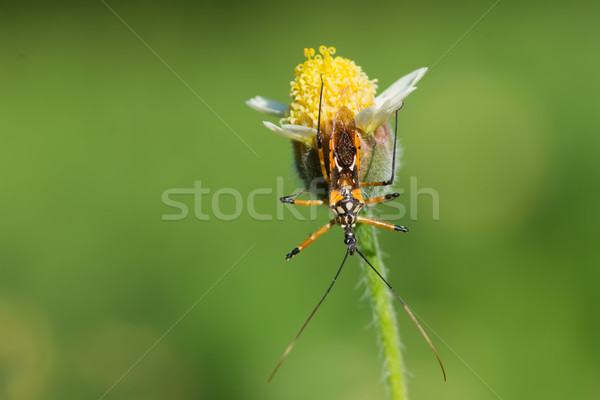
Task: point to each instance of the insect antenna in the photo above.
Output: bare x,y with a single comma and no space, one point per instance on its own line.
408,311
289,348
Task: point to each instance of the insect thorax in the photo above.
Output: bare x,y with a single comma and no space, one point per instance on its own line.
345,205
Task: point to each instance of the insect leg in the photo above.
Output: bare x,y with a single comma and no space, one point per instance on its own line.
306,202
290,200
284,199
311,239
382,199
391,180
382,224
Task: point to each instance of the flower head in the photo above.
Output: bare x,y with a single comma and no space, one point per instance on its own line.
345,84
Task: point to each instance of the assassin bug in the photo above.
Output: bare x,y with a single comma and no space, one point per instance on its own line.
346,201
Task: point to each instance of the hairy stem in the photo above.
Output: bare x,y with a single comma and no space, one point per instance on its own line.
383,311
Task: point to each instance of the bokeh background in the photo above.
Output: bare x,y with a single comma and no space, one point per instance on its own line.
102,298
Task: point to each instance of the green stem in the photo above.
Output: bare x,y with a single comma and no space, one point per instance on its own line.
383,311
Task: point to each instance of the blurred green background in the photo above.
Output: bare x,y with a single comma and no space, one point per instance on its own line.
94,128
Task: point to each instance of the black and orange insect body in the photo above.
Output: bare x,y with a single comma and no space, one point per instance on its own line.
343,149
342,173
343,178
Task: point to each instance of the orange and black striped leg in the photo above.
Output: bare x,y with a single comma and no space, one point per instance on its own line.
320,140
290,200
286,199
303,202
384,183
382,199
391,180
382,224
311,239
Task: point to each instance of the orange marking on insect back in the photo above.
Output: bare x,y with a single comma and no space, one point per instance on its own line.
334,197
357,195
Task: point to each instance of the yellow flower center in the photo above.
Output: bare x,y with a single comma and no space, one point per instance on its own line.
345,85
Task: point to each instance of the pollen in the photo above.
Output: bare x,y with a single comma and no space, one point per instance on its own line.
345,84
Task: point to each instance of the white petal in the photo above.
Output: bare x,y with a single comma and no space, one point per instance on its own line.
371,117
295,132
306,133
363,119
388,102
401,88
267,106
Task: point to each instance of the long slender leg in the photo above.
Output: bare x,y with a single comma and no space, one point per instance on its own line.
290,200
382,224
382,199
391,180
291,196
319,139
311,239
305,202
